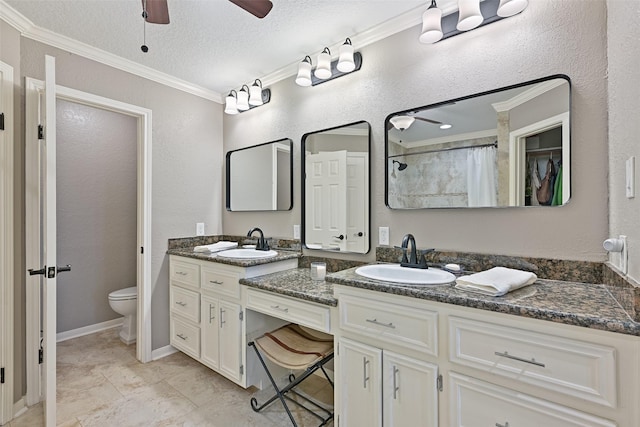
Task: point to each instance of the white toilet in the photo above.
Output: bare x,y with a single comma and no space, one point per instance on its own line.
125,302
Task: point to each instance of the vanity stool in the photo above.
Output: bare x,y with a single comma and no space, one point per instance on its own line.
295,347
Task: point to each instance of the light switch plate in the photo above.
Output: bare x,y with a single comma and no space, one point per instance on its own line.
383,236
630,177
200,229
296,231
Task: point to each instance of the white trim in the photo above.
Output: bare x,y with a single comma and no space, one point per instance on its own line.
6,242
87,330
20,407
30,30
527,95
161,352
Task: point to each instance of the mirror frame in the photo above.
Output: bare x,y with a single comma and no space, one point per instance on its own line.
228,175
449,101
303,186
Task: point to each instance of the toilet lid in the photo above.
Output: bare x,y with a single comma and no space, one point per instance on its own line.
126,293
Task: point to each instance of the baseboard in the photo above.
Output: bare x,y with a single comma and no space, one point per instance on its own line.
86,330
20,407
161,352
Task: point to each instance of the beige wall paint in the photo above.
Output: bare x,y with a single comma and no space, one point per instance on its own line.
623,35
398,73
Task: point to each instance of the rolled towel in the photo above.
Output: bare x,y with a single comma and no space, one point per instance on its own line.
216,247
496,281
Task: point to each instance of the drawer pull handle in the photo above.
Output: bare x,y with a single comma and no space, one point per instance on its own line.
211,315
502,425
222,321
365,362
181,273
181,304
519,359
386,325
216,282
395,382
182,337
277,307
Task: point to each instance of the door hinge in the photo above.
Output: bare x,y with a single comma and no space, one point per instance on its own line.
141,249
40,132
40,356
241,316
1,375
1,121
439,382
241,369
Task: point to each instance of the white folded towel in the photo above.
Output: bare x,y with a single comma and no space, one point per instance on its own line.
216,247
496,281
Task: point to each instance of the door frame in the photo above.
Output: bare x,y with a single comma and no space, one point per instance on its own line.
143,115
7,241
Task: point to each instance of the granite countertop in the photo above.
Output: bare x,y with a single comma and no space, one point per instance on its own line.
208,256
572,303
295,283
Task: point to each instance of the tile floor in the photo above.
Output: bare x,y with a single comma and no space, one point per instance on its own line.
100,383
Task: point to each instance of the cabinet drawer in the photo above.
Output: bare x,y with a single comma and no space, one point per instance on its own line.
185,337
472,398
185,303
224,282
407,326
184,272
315,316
575,368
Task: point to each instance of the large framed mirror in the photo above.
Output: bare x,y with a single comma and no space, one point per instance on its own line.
336,188
502,148
260,177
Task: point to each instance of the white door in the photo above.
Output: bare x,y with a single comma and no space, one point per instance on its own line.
326,200
230,340
47,269
209,332
357,203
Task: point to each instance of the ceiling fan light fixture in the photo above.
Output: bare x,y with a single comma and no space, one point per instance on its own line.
231,103
445,126
323,69
243,99
431,24
402,122
255,93
346,63
304,72
511,7
469,15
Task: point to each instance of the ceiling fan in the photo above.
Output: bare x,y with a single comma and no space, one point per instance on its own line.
157,12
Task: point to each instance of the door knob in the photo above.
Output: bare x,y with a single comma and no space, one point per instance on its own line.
33,272
65,268
340,237
358,234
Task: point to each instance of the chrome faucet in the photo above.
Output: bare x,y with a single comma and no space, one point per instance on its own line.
262,244
417,258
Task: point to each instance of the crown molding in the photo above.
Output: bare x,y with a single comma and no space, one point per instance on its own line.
29,30
527,95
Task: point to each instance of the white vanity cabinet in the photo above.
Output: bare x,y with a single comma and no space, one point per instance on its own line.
207,313
386,370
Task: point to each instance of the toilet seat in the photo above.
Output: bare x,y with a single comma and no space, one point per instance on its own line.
124,294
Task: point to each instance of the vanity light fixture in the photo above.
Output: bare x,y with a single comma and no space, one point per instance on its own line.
247,98
304,72
326,70
402,122
471,14
323,69
431,24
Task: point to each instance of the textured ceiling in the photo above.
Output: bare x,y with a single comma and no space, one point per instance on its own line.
213,43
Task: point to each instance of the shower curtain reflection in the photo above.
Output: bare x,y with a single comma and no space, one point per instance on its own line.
481,177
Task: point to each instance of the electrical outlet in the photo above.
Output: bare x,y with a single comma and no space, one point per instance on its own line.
200,229
296,231
630,187
383,236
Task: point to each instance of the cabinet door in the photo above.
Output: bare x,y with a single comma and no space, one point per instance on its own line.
360,379
210,332
230,340
409,396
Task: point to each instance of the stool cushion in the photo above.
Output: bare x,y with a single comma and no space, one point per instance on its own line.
295,348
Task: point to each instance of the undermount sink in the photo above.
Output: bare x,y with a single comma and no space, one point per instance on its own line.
404,275
246,254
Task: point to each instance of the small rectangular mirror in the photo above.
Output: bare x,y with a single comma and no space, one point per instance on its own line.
335,188
260,177
502,148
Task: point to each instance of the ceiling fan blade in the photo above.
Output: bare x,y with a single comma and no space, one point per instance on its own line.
435,122
258,8
156,10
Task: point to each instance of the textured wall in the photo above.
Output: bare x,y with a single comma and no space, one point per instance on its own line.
96,210
624,127
398,73
187,156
